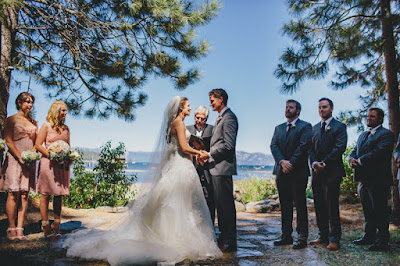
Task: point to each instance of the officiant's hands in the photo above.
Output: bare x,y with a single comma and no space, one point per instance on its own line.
203,157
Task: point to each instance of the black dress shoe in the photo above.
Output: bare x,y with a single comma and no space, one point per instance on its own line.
300,244
228,248
283,241
364,241
379,246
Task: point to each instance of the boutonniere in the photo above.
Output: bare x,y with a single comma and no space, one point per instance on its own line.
328,128
219,118
293,126
373,132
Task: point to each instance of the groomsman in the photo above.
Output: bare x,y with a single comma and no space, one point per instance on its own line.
203,130
222,165
328,144
290,146
371,159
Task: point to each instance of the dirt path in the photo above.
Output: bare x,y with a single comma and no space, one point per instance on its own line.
256,233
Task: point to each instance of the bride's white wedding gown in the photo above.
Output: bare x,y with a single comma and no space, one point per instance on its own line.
169,224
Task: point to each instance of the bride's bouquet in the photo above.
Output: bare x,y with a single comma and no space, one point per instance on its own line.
58,151
30,157
2,144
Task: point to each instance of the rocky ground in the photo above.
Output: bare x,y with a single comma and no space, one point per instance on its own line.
256,233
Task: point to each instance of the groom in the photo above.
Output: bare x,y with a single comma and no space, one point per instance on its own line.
222,165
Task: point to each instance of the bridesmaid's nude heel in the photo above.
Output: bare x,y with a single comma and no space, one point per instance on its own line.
21,237
56,235
45,224
9,229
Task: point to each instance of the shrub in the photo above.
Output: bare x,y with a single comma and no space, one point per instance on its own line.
348,188
255,188
107,185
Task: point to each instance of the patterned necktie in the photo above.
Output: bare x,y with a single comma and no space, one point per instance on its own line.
323,128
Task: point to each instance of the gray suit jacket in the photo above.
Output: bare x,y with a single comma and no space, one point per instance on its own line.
375,155
223,145
295,148
329,148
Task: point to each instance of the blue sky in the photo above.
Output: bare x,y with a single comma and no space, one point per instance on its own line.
246,43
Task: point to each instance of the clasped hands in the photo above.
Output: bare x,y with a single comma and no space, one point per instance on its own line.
318,167
353,163
287,167
202,158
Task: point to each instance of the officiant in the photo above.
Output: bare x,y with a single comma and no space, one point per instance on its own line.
203,131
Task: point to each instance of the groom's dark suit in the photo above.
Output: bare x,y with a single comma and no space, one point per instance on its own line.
222,165
374,151
202,170
294,147
328,148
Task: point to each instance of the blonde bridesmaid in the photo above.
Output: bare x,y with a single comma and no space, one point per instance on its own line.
20,132
52,179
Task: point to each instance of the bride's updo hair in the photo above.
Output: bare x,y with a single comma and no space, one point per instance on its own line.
182,104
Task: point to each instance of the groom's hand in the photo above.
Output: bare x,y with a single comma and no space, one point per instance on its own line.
286,166
203,157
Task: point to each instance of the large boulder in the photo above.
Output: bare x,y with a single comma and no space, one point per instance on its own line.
262,206
240,206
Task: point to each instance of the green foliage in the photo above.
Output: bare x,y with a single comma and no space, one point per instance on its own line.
348,188
347,34
96,55
255,188
107,185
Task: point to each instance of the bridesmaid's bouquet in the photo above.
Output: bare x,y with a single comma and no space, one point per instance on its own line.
2,144
30,157
58,151
73,156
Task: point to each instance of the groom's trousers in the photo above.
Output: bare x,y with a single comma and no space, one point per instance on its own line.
226,211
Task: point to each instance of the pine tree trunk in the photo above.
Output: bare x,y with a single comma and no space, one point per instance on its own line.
8,30
392,88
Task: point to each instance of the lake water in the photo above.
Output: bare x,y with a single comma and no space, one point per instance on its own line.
244,171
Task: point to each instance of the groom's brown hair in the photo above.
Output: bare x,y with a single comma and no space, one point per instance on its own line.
217,93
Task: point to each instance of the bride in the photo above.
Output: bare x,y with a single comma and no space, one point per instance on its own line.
169,221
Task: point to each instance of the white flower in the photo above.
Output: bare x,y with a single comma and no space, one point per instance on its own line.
73,155
30,156
373,132
328,128
58,151
2,144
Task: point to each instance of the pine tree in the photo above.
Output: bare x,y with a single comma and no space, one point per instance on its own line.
97,55
360,38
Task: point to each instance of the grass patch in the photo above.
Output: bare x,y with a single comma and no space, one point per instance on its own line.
351,254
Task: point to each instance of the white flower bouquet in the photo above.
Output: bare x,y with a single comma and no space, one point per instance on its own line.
58,151
2,144
30,156
73,156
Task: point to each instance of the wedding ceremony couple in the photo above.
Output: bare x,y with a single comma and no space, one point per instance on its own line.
170,220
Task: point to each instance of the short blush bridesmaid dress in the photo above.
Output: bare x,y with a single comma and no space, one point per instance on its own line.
52,178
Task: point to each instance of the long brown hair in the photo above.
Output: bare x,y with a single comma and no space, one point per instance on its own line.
22,97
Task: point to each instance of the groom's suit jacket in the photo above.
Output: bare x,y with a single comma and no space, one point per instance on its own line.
375,154
223,145
294,147
329,148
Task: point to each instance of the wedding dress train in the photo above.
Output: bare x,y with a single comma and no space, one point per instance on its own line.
167,225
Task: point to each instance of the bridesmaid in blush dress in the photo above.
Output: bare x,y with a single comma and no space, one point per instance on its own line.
20,132
52,179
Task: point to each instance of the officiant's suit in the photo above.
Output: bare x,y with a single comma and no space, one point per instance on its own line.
294,147
328,146
374,152
222,165
203,171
